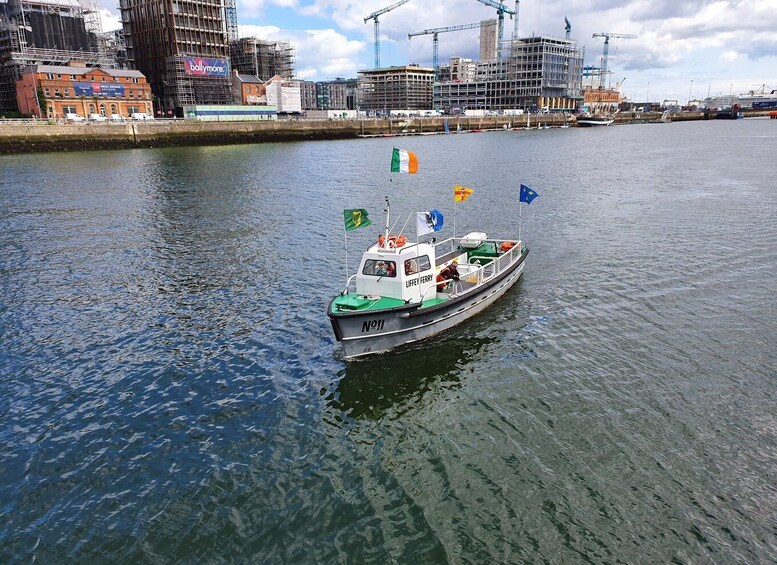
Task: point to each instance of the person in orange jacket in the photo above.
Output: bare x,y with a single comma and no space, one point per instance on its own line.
447,274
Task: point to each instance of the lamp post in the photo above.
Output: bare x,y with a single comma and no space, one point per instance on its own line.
690,90
647,96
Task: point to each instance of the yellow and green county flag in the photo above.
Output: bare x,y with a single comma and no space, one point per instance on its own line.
356,219
461,193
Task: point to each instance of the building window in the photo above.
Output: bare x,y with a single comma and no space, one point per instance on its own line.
91,108
103,79
113,109
102,109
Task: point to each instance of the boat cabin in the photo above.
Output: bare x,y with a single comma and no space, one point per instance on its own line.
409,272
405,273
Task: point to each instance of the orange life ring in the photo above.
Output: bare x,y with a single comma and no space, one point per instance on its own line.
394,240
507,245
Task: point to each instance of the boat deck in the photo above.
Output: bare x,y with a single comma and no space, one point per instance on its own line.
354,303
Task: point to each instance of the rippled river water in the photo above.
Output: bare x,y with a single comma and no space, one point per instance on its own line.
171,391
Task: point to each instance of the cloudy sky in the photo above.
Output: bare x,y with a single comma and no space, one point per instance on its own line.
683,46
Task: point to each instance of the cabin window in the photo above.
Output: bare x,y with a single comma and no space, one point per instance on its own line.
380,268
417,265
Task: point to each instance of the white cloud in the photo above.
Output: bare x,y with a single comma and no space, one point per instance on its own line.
109,20
320,54
729,56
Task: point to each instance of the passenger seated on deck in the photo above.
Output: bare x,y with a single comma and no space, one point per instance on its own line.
450,272
410,268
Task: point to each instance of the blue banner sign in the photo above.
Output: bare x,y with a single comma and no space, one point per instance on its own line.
199,66
99,89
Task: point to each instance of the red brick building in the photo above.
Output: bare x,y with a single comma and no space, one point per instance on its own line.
76,89
247,89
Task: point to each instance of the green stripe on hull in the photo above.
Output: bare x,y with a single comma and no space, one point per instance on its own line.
353,303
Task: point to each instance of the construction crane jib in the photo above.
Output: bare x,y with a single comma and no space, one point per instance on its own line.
606,52
501,10
436,43
374,16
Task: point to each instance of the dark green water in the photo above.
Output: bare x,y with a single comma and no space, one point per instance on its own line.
171,391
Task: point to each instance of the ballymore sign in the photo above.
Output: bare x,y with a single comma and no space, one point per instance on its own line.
199,66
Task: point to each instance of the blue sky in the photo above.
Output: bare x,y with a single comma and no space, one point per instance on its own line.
683,47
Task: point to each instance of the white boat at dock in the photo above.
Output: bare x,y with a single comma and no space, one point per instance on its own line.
593,121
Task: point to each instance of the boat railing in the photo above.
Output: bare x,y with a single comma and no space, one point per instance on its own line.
483,273
350,285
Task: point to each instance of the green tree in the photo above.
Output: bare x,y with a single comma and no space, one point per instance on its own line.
42,102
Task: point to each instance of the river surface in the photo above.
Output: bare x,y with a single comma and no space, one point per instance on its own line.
171,390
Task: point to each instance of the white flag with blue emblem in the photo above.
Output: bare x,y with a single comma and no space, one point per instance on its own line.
428,222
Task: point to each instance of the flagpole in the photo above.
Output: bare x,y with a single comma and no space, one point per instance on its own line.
520,220
345,233
388,214
454,215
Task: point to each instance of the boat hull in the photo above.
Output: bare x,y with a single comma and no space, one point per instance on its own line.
379,331
593,122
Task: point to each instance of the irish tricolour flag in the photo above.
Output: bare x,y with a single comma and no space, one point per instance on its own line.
404,162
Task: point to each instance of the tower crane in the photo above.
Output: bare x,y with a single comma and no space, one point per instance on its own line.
374,16
501,10
567,27
436,43
606,51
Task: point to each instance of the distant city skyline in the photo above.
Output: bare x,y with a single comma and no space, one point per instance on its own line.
684,49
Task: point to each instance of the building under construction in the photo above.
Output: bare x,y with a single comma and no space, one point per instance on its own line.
262,58
46,32
537,73
395,88
182,47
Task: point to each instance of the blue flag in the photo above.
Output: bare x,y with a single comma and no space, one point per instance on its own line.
527,194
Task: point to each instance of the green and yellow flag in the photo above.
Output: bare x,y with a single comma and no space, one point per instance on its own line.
356,219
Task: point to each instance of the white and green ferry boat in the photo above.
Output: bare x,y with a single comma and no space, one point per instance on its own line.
399,296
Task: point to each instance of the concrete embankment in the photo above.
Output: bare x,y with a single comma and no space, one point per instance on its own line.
27,136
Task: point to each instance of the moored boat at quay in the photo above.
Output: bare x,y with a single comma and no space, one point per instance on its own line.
593,121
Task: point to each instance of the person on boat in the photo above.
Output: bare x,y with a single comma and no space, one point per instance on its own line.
449,273
381,270
391,270
410,268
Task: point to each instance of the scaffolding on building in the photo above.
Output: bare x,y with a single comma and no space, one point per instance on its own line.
184,89
263,58
48,32
230,15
